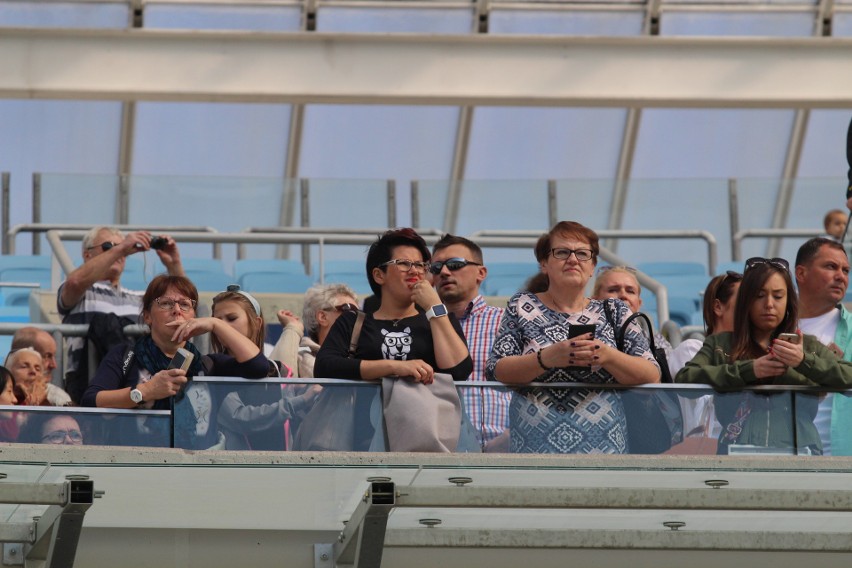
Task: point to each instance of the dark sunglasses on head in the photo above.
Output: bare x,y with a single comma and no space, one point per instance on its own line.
347,307
732,275
104,246
452,265
779,263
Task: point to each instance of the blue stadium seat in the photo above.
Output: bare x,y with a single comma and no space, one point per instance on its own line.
210,281
200,265
275,282
24,261
349,272
39,275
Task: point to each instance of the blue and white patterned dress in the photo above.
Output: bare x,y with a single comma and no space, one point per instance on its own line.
579,421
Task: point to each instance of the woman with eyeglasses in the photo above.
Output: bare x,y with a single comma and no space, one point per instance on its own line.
140,377
536,343
765,348
411,334
56,429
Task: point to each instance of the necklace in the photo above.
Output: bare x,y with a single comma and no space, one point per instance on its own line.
568,310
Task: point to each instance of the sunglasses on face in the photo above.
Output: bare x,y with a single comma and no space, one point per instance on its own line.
104,246
452,265
779,263
347,307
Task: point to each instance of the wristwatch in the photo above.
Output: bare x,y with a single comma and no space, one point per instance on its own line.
136,396
437,311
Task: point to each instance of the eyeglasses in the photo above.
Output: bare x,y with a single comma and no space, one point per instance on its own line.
167,304
452,264
347,307
407,265
776,262
58,436
564,254
104,246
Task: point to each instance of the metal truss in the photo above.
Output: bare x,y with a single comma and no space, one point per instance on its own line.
50,540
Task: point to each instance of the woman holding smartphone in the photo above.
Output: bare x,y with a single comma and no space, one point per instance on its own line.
765,348
538,340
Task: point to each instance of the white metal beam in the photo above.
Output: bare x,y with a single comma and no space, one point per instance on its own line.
137,65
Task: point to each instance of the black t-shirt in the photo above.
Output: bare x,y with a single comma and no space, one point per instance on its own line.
405,339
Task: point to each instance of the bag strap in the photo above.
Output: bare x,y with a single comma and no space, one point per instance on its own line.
356,333
650,334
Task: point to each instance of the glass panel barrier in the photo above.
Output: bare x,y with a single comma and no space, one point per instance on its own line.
273,414
85,426
564,418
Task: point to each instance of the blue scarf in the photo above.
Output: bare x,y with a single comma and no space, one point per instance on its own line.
154,360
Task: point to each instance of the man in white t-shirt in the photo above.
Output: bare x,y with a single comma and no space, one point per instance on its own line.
822,274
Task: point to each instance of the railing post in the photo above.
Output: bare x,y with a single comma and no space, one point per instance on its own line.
36,210
4,187
734,216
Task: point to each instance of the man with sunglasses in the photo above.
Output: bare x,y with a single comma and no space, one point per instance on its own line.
822,275
95,286
456,270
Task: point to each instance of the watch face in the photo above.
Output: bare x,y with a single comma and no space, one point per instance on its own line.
136,396
439,310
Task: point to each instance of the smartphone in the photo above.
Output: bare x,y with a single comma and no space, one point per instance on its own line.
791,337
576,330
181,360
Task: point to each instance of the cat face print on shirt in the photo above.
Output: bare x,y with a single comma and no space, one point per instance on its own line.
397,344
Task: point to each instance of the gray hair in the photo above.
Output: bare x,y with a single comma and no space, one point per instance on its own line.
89,238
320,297
12,357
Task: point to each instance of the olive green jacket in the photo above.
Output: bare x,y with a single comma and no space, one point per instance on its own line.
769,422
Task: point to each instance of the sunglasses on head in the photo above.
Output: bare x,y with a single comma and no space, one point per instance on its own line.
452,265
779,263
607,268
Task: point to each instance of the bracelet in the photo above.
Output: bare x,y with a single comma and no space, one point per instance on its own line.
540,362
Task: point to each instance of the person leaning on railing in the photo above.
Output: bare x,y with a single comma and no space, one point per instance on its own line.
535,344
756,353
140,377
253,416
398,339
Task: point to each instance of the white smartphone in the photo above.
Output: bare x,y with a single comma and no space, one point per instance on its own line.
181,360
791,337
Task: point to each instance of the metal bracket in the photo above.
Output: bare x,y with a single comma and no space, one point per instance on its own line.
362,542
323,555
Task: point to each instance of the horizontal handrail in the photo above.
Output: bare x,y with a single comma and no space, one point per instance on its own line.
45,227
740,236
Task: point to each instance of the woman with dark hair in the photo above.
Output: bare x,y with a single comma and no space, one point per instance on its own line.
398,339
536,343
139,377
765,347
9,426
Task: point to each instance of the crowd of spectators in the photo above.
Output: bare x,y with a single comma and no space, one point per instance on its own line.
428,317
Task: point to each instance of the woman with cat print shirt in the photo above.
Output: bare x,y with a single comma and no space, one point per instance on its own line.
398,339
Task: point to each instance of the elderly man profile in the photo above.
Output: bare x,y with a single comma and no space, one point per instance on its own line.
457,271
95,286
822,275
42,342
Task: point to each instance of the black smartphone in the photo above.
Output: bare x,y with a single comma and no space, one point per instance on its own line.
576,330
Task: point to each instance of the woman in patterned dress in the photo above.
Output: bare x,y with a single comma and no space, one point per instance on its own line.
533,344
